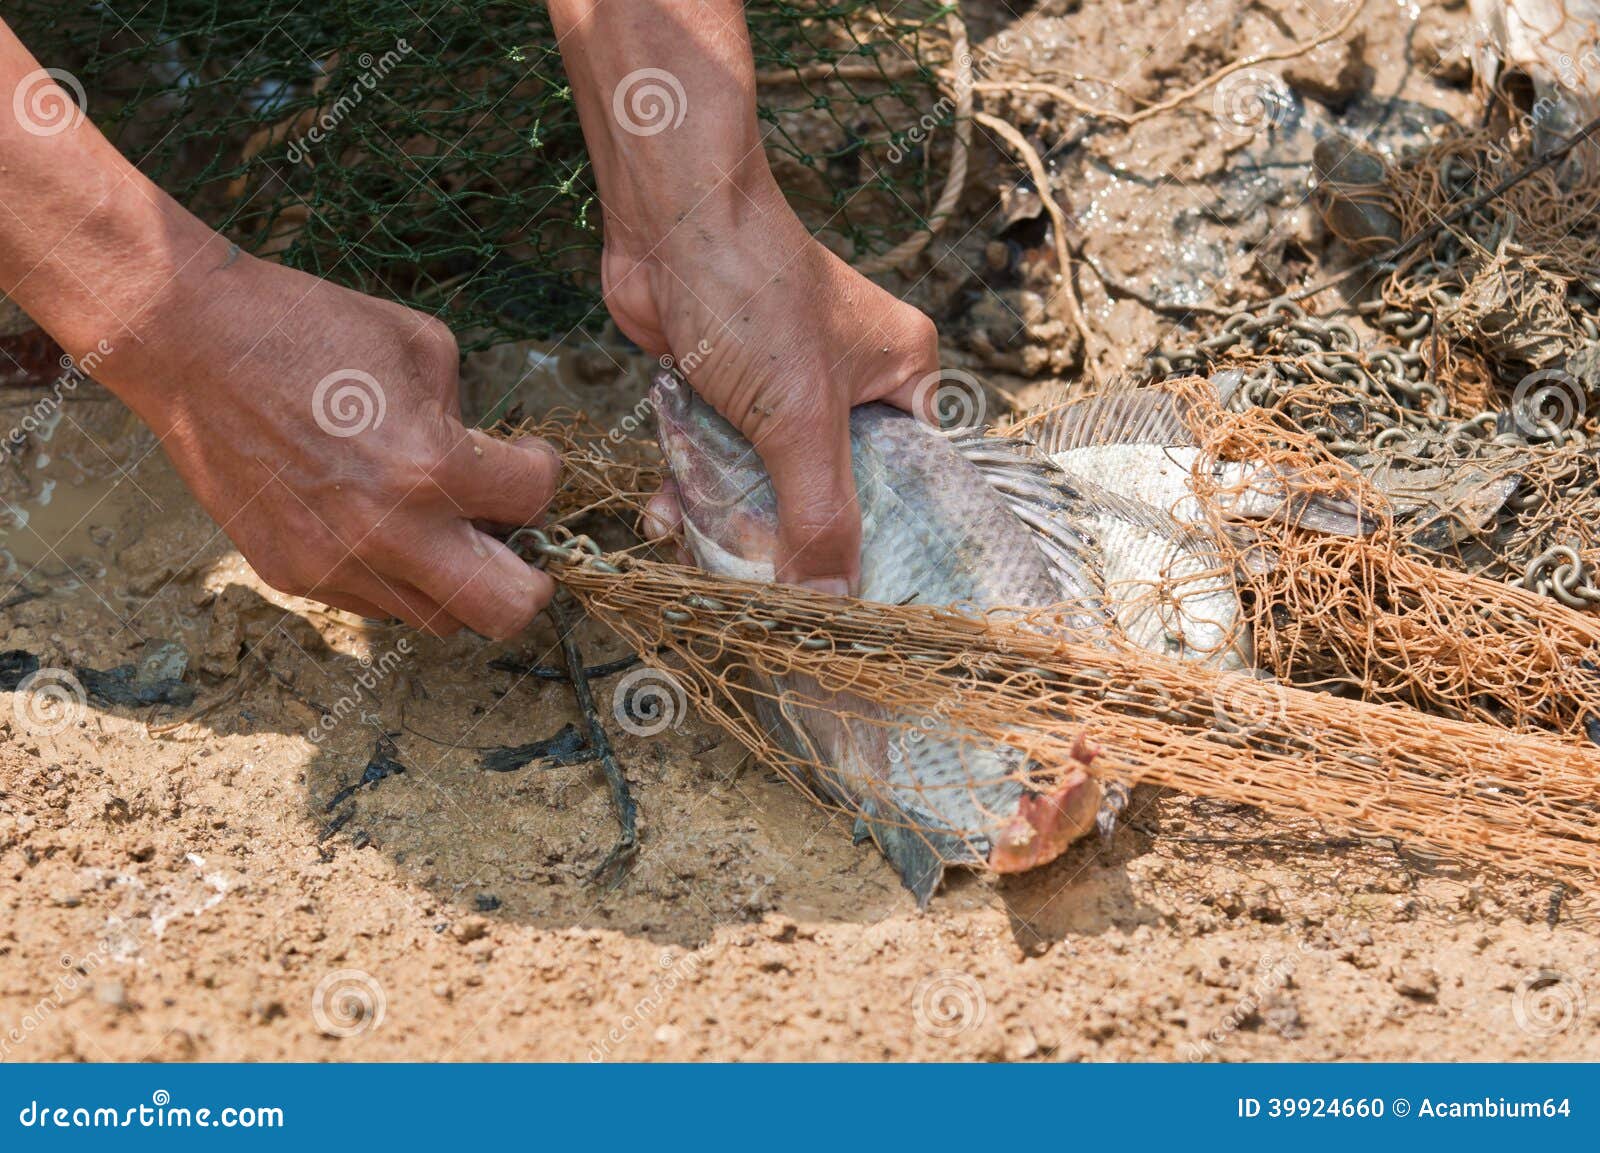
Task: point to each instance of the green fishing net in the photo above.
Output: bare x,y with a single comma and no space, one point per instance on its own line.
431,153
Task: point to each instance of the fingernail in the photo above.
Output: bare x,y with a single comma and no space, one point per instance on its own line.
831,586
537,444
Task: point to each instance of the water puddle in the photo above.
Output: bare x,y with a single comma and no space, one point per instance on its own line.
63,496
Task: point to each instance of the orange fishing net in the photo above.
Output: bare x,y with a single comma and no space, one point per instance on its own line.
1432,674
1495,770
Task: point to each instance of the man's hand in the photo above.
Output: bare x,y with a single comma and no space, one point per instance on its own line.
319,427
704,260
783,338
322,430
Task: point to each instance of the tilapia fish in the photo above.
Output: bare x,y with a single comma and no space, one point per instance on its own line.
934,529
1096,517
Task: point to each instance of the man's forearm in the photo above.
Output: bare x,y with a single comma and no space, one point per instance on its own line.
88,246
666,94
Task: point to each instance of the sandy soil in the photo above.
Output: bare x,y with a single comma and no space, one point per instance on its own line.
209,882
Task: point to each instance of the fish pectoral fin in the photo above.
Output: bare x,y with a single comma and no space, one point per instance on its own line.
1042,496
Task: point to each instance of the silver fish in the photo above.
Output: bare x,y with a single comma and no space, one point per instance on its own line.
1096,517
933,529
1169,571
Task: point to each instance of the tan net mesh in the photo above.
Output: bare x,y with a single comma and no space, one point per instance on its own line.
1431,673
1497,770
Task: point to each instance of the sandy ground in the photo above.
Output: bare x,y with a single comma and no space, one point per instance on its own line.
210,882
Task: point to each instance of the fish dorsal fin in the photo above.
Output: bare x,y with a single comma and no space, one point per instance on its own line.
1042,497
1124,414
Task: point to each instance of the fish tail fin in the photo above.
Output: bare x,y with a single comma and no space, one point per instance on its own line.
1113,799
1280,494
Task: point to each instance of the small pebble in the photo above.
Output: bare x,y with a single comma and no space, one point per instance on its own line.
1418,984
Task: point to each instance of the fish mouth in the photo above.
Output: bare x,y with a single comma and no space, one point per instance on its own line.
1046,823
669,396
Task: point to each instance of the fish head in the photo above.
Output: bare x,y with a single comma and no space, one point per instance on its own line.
730,511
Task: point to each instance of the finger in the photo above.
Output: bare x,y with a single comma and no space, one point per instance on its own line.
476,580
350,604
507,482
663,513
807,454
418,610
909,356
398,600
